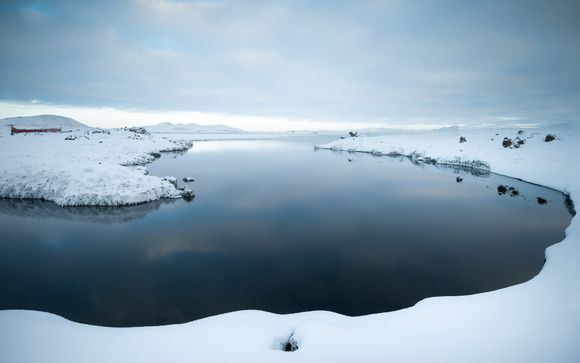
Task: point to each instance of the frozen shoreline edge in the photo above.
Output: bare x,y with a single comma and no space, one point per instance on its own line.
420,160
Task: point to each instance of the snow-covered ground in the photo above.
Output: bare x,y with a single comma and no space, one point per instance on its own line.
532,159
86,166
538,321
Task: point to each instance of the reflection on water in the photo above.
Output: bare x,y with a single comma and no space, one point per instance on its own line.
234,145
41,209
278,227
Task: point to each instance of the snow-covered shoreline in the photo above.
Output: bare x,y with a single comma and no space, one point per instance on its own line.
482,149
85,167
537,321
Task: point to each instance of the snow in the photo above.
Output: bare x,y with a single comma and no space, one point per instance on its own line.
482,145
84,167
46,121
537,321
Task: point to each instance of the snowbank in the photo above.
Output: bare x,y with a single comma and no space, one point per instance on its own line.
84,167
535,160
538,321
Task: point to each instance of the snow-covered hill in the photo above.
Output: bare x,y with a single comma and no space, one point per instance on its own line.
169,128
45,121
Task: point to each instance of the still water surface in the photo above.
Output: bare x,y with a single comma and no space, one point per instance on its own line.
280,227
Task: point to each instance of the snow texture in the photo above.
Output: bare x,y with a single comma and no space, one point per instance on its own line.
537,321
84,167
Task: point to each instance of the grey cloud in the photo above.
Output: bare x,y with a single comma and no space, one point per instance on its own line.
334,60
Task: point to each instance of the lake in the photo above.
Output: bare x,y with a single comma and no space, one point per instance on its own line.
278,226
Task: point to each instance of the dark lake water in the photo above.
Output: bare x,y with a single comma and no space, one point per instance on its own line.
277,226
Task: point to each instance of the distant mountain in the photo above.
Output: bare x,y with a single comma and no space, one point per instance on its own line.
169,128
44,121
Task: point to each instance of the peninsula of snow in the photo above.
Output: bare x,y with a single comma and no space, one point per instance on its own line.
82,165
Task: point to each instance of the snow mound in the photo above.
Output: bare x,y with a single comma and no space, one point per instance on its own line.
46,121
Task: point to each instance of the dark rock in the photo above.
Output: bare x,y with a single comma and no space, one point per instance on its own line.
155,154
187,195
550,137
291,345
503,189
342,137
569,205
520,141
507,143
520,132
541,201
137,130
353,134
462,139
135,137
459,179
100,131
188,179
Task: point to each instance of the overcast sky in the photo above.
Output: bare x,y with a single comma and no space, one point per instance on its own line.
372,62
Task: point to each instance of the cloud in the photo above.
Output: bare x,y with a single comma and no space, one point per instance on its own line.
339,60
